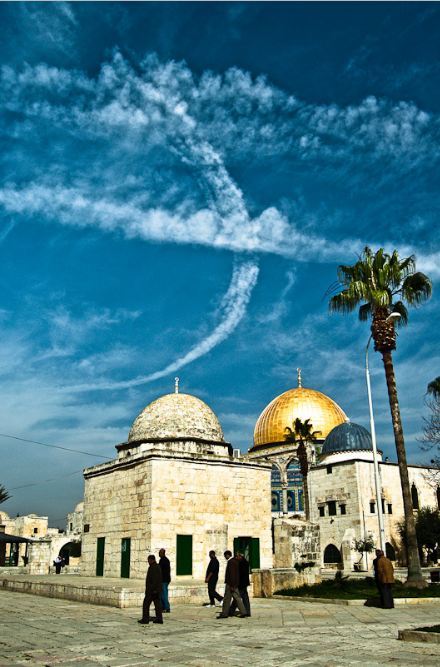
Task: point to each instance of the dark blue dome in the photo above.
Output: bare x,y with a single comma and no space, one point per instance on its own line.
347,437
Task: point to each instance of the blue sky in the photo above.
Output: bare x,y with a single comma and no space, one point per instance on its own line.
179,182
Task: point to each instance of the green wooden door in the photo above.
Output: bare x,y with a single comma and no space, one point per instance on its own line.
184,554
243,544
125,557
100,549
254,555
250,548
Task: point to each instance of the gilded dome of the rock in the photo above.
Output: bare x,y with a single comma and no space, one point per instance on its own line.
175,416
323,413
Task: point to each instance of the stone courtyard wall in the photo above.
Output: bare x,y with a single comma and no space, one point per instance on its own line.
268,582
296,541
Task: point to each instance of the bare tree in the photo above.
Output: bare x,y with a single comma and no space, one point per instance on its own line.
431,432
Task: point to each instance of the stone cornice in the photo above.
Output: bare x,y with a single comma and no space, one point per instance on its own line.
132,461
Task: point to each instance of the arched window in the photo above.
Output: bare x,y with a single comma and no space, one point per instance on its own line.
276,504
276,475
332,554
414,497
390,551
291,504
300,500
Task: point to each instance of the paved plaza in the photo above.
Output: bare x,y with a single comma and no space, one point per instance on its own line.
44,631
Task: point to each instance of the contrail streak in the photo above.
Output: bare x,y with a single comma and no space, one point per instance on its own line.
232,310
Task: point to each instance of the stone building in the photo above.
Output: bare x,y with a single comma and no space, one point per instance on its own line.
29,526
270,442
74,521
343,497
340,486
174,484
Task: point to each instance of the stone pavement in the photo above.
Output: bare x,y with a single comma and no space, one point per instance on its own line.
44,631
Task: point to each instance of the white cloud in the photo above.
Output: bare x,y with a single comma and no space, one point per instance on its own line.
280,307
203,123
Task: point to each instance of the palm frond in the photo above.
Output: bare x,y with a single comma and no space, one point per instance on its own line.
434,387
365,312
416,288
342,303
399,307
380,298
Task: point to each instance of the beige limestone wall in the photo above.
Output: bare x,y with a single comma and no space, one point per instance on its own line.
31,525
214,502
296,541
352,483
341,486
117,505
151,500
267,583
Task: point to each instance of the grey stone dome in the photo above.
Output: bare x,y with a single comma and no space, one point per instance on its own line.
347,437
175,416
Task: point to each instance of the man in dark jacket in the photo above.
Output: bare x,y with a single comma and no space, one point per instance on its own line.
153,590
165,568
243,583
231,587
211,579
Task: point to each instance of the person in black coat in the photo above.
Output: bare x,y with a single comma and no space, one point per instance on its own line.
153,590
243,583
211,579
165,567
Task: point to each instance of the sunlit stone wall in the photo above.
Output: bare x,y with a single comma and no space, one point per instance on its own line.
152,495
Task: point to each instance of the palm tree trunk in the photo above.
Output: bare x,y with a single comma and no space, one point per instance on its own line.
415,576
306,498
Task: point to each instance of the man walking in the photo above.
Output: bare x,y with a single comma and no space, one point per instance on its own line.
165,568
384,576
231,587
153,590
211,579
243,583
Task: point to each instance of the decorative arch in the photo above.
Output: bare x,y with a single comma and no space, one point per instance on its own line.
70,550
390,551
415,497
332,554
276,474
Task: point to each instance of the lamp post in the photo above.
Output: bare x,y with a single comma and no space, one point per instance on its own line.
377,481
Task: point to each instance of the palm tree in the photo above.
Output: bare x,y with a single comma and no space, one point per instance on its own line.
434,387
302,435
382,284
4,495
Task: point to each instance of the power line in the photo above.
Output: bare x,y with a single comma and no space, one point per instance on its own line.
44,444
44,481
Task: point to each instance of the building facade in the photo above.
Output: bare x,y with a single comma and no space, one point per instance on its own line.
343,498
339,489
175,484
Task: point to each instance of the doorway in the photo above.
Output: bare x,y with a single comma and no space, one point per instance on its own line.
100,550
125,557
250,548
184,554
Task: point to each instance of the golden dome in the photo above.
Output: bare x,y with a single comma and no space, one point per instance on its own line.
324,415
176,416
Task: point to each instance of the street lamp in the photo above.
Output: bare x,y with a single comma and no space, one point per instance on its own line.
377,483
